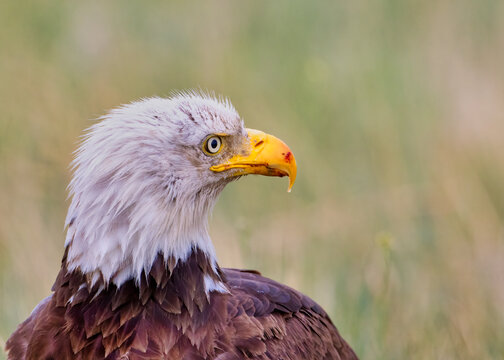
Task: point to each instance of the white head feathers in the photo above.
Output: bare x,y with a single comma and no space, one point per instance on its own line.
142,185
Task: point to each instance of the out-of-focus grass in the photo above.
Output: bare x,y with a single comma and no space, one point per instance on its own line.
394,110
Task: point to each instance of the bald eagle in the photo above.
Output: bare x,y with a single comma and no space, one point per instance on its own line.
139,277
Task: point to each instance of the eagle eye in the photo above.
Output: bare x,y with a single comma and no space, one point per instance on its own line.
212,145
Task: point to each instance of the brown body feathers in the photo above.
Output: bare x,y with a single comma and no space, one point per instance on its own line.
169,316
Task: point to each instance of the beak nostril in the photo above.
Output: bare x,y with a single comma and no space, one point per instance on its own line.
259,143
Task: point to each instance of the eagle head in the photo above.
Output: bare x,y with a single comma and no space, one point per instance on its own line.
147,175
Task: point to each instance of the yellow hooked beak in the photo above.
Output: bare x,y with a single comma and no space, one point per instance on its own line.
264,155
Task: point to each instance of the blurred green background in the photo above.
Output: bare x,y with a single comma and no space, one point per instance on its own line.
394,110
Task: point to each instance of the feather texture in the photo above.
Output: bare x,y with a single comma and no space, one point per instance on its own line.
257,319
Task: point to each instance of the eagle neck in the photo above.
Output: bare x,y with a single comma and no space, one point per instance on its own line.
119,245
170,283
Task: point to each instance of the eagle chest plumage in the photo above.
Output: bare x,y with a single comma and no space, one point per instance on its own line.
169,316
139,277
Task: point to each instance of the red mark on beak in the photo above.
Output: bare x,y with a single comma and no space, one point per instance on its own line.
288,157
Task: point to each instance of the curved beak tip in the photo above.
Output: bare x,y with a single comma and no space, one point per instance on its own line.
291,184
289,158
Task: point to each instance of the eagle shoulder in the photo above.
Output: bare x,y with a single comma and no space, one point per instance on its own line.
19,342
258,319
273,321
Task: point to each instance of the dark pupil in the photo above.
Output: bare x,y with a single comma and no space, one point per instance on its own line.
213,144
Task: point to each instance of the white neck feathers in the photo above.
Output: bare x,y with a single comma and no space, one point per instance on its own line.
119,246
